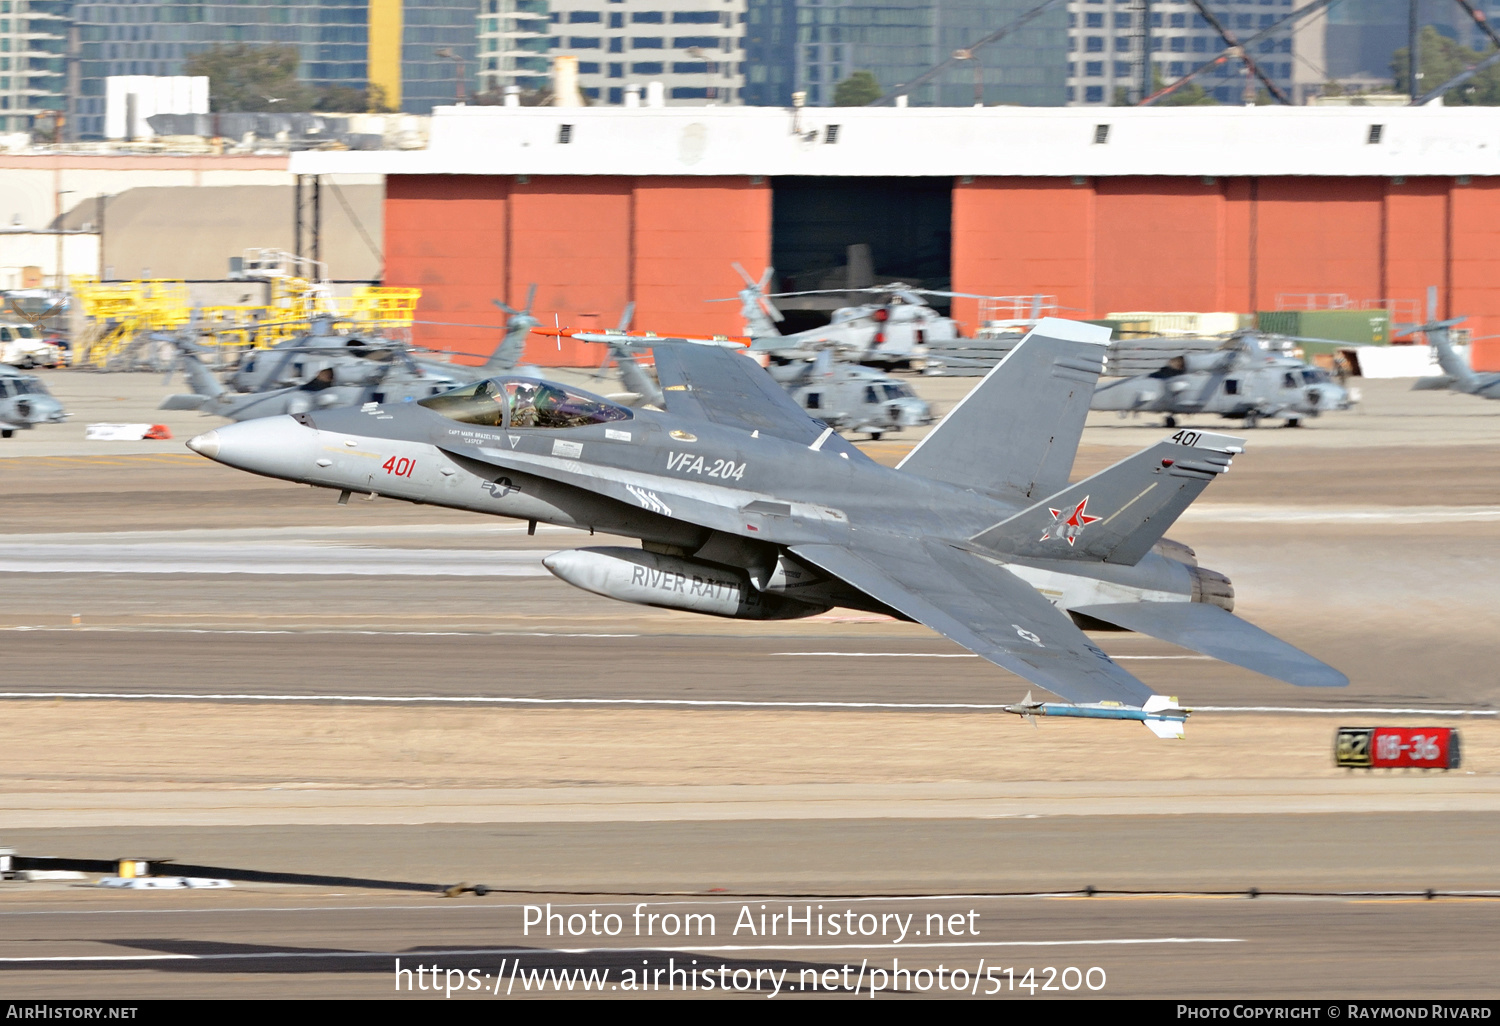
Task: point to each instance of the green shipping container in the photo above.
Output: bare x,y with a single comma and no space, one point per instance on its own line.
1339,327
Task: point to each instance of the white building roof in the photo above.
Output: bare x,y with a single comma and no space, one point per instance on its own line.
942,141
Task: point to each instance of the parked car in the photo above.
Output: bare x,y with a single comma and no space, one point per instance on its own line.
22,345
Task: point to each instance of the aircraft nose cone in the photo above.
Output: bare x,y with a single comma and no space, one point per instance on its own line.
206,444
273,446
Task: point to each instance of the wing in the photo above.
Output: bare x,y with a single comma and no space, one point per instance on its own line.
984,608
1218,633
714,384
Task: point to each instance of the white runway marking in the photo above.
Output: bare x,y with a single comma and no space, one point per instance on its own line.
228,558
1339,710
316,630
1230,513
888,655
952,655
727,901
241,956
166,696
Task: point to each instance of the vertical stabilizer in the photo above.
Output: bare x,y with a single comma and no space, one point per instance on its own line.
1016,433
1451,360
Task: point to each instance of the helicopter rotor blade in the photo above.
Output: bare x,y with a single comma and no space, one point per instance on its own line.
626,317
743,273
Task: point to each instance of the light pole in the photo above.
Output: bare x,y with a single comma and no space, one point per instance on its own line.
59,279
448,54
968,55
697,54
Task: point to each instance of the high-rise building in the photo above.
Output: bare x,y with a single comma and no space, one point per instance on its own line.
693,47
33,62
1106,47
431,26
515,37
810,46
1362,38
334,38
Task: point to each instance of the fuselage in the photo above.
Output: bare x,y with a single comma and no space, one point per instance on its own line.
1282,388
679,485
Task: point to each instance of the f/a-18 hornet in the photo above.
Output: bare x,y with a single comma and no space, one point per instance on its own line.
747,507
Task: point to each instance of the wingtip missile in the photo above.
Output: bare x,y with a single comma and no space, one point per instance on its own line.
1161,715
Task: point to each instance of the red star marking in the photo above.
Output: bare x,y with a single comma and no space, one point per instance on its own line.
1071,527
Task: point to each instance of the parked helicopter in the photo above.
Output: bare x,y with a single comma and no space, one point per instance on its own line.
25,402
850,397
1458,375
335,370
889,330
1240,380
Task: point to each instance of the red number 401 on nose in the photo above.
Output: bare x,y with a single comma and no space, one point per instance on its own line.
399,467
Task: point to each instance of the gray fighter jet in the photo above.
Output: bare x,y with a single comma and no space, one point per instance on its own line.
747,507
25,402
1240,380
846,397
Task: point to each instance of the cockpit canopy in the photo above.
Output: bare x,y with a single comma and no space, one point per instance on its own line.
523,403
22,384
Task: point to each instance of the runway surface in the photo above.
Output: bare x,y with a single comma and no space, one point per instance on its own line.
321,941
400,693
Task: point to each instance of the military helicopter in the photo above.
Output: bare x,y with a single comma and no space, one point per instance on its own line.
25,402
358,359
849,397
1458,375
1240,380
350,359
347,370
890,330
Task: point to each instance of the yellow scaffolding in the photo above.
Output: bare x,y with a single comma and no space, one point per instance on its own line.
120,312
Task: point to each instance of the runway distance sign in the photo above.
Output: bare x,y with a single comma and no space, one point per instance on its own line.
1392,747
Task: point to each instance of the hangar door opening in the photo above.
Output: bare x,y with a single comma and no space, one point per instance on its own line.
856,232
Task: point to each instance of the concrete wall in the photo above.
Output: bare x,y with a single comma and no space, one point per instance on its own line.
947,141
183,217
22,249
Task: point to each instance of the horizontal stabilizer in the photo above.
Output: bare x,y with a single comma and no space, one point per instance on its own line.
1436,384
182,401
1210,630
1119,513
